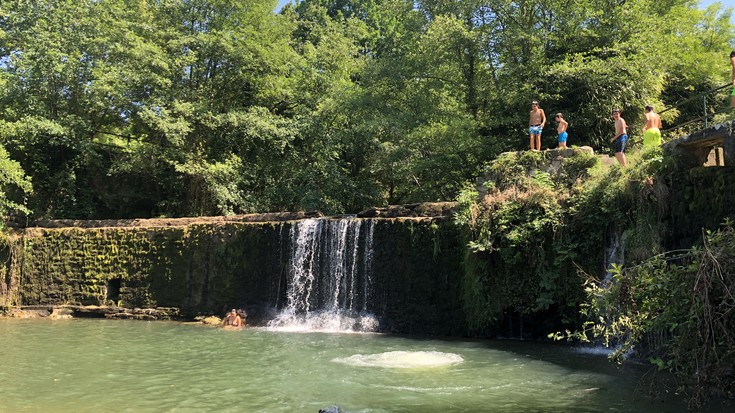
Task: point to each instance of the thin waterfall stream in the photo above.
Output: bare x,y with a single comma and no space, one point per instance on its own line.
329,277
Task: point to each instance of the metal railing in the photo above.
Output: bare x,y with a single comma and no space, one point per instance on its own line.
705,116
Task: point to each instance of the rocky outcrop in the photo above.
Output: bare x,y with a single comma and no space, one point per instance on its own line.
92,311
561,164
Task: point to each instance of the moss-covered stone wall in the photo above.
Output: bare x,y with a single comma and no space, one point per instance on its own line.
209,267
417,277
199,267
10,270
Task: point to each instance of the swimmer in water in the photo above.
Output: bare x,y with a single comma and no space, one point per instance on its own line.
232,320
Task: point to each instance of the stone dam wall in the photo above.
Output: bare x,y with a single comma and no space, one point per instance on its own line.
207,267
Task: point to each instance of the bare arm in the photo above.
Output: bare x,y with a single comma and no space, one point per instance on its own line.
543,118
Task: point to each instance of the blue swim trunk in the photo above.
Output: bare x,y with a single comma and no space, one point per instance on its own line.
534,130
563,137
620,142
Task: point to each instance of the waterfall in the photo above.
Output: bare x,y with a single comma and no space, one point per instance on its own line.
614,254
329,276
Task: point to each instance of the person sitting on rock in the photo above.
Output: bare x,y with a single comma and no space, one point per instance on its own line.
232,320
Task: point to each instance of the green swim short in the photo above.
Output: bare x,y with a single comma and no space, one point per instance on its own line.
733,91
652,137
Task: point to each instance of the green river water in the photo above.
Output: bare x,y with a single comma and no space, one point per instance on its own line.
88,365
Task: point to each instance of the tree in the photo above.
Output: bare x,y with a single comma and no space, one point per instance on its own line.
14,185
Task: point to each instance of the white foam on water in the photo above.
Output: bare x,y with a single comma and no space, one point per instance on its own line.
594,351
402,359
324,322
430,390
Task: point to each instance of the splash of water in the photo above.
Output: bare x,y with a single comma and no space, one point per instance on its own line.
329,277
402,359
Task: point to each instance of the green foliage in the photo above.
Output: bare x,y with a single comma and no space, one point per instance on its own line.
684,297
543,220
122,108
14,186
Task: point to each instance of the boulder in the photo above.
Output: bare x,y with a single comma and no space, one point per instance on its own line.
61,313
210,320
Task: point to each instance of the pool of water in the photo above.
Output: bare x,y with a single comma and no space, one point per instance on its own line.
85,365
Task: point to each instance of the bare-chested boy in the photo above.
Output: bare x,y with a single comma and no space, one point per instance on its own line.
536,122
561,129
652,128
620,138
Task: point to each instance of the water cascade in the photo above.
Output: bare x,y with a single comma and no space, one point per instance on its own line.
329,278
614,254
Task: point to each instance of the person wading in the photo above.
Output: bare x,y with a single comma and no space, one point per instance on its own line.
232,320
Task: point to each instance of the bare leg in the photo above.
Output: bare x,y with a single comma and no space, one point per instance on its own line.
562,145
620,156
532,143
538,142
732,102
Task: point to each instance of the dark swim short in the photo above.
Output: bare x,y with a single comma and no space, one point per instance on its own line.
620,142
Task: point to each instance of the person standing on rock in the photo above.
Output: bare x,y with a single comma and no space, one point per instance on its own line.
561,129
620,138
536,122
651,128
